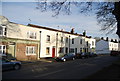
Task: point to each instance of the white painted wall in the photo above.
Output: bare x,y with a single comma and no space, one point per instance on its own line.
20,32
105,47
102,47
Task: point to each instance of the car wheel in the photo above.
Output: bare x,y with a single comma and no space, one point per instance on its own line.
64,60
73,58
17,66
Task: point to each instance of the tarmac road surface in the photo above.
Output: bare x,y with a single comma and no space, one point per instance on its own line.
77,69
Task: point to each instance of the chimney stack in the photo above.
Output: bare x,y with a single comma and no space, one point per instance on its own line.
102,38
72,30
107,39
111,40
84,33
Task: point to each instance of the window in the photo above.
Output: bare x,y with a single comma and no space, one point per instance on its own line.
92,43
61,50
75,50
72,40
3,30
61,39
31,35
47,51
110,44
86,49
30,50
66,50
80,50
87,43
2,49
66,39
80,41
48,38
71,50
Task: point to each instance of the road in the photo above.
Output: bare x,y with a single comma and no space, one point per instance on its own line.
77,69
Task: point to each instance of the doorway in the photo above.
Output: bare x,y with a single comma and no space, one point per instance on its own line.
53,52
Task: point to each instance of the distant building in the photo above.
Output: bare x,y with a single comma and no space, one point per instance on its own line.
106,46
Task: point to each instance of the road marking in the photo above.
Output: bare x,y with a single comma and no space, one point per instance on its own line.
49,73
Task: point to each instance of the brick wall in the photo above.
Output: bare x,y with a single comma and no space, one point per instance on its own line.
21,52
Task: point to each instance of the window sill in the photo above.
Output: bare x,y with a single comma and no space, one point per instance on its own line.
48,42
30,54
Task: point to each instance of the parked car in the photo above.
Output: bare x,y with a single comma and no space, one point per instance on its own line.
82,55
68,56
78,55
114,53
85,55
91,54
10,64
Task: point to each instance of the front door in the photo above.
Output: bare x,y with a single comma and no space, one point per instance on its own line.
53,52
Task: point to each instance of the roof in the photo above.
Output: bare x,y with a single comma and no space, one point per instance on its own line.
36,26
110,41
47,28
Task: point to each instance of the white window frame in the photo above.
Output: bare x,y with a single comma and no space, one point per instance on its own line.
93,43
28,50
80,50
72,50
48,38
3,50
29,34
81,41
3,31
66,39
62,39
61,50
73,41
48,50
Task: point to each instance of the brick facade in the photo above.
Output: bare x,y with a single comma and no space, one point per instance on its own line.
21,52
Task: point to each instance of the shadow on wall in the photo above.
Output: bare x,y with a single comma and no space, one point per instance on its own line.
10,57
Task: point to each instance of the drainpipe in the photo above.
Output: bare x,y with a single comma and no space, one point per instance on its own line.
69,43
40,44
56,43
14,50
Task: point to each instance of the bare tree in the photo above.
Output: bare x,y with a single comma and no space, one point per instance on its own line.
108,20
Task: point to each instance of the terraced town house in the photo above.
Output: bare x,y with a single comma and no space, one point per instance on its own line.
32,42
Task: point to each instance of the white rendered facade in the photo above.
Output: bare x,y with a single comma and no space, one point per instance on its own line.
105,47
51,42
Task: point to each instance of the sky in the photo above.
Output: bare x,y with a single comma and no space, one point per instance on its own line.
26,12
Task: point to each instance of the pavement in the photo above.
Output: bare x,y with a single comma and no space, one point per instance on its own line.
42,60
48,68
50,60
